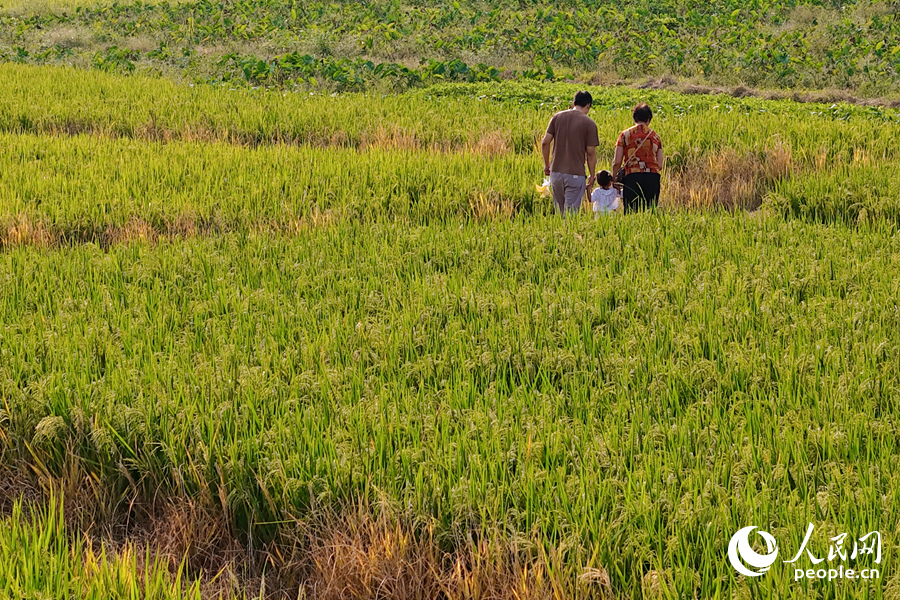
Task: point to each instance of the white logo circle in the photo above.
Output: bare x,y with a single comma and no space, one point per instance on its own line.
740,552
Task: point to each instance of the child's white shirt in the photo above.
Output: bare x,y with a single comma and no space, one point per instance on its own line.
605,200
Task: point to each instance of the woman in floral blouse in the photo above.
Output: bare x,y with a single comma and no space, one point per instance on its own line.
639,151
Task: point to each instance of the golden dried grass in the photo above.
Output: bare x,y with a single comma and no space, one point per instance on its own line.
22,230
385,138
861,157
728,179
136,230
68,36
354,554
490,205
316,219
492,144
183,532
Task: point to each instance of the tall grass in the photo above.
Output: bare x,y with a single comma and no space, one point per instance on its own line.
623,395
857,190
39,558
89,188
276,307
460,116
389,152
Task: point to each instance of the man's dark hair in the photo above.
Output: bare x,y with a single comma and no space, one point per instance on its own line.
583,99
642,113
604,178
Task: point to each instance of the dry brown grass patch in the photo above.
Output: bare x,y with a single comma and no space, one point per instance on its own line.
384,138
353,555
183,532
22,230
198,132
136,230
153,131
15,486
492,144
728,179
490,205
140,43
779,161
68,37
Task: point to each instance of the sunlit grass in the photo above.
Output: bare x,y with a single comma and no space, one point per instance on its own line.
40,558
633,390
24,8
391,150
271,302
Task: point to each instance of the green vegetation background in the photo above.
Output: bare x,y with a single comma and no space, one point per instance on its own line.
388,44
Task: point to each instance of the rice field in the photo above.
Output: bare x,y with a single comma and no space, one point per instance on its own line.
334,323
153,151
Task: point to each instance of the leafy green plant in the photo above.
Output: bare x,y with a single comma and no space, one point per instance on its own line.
773,44
115,59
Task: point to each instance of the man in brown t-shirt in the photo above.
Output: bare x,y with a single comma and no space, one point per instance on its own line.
575,140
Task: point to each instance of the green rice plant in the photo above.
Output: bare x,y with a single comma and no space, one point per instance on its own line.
447,150
444,117
622,394
88,188
263,303
39,558
850,193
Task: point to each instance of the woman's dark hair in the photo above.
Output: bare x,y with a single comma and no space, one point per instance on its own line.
604,178
642,113
583,99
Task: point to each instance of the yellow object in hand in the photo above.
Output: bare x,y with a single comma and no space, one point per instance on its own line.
544,188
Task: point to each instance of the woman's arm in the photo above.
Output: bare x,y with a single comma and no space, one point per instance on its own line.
617,159
659,157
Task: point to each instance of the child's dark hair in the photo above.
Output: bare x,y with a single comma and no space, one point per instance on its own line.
604,178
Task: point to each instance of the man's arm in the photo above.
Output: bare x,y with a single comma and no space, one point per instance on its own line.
592,165
659,158
545,151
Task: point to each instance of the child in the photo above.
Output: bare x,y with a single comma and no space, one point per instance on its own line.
605,198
